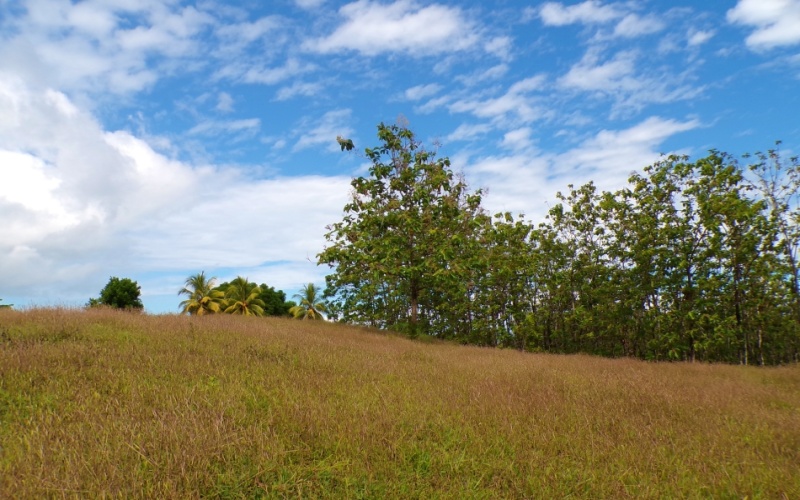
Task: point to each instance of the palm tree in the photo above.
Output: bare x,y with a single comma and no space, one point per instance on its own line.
310,307
203,298
243,298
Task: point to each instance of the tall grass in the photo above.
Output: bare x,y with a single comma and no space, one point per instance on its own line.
98,403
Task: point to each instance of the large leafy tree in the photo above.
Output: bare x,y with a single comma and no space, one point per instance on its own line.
242,297
202,297
399,245
310,306
121,293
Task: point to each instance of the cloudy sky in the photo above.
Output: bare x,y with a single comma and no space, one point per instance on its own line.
153,139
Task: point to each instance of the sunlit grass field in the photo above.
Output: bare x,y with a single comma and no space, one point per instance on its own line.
100,403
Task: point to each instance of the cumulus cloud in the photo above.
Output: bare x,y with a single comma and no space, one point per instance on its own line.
618,153
776,22
373,28
526,180
88,46
592,74
80,202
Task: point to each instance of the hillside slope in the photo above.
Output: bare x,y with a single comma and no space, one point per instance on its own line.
102,403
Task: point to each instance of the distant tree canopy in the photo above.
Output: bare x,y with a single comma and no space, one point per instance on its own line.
121,293
5,306
202,297
692,260
311,305
239,296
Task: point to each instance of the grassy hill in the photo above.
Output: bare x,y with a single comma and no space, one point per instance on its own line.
103,403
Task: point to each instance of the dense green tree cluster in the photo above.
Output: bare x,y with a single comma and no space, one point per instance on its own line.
119,293
690,261
239,296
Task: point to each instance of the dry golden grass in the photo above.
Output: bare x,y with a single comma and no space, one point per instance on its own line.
109,404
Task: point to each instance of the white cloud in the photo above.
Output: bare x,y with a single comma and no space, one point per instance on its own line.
776,22
80,203
621,152
298,89
99,46
224,102
433,104
373,28
500,46
617,78
481,76
466,132
518,139
237,36
268,231
272,75
526,181
324,131
591,74
515,104
309,4
589,12
421,91
216,127
633,25
699,37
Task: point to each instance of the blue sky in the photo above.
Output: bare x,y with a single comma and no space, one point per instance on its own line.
153,139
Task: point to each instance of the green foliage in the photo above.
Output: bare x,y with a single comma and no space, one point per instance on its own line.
120,293
395,253
242,297
345,144
203,298
275,303
265,298
5,306
693,260
310,307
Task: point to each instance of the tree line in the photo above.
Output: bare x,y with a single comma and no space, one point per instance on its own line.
204,296
240,296
691,260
